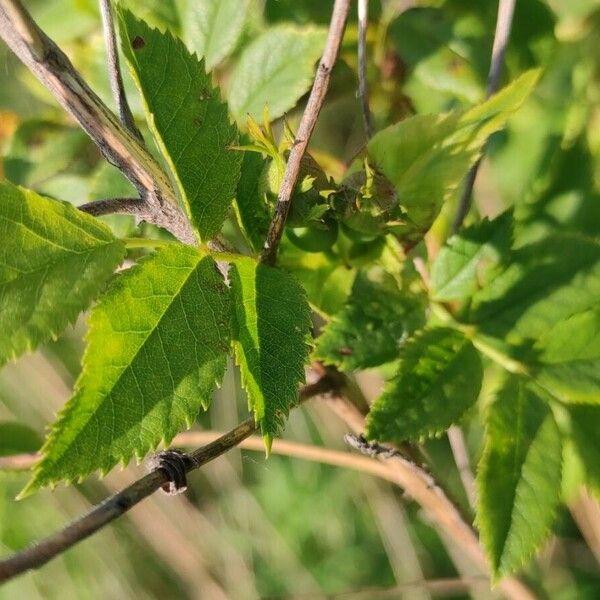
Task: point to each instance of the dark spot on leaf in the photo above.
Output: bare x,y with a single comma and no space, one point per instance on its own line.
198,121
345,351
138,42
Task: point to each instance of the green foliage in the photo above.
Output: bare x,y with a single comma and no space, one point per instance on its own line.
53,261
275,69
188,119
271,336
518,478
584,423
252,211
438,379
211,28
156,348
471,259
426,157
375,322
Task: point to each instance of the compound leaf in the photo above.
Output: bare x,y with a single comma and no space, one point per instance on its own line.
369,330
188,119
275,69
438,379
518,477
272,329
54,260
157,346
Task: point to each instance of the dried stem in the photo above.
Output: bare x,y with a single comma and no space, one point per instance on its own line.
421,487
363,90
114,69
461,458
506,10
306,127
118,504
52,67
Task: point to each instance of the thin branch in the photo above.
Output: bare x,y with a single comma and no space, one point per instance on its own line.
420,486
337,26
118,504
114,69
363,91
463,464
52,67
171,220
504,20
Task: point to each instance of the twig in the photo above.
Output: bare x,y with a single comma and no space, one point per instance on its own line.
114,69
306,127
506,10
52,67
173,221
118,504
113,507
461,458
363,91
420,486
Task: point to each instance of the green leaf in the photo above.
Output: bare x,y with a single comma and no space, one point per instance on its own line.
518,478
54,260
276,69
372,326
469,260
157,346
271,339
252,211
438,379
188,119
585,424
541,286
16,438
426,157
212,28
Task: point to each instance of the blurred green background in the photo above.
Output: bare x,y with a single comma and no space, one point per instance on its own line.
287,528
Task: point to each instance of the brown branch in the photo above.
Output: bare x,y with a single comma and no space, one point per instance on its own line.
506,10
463,463
114,69
306,127
52,67
118,504
420,486
363,91
162,216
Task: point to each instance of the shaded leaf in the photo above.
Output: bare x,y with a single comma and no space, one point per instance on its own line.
270,341
188,119
157,346
54,260
585,424
518,477
426,157
253,215
211,28
372,326
470,259
275,69
438,379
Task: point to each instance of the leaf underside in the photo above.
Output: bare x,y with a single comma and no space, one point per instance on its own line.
518,478
188,119
157,345
272,329
438,379
54,260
